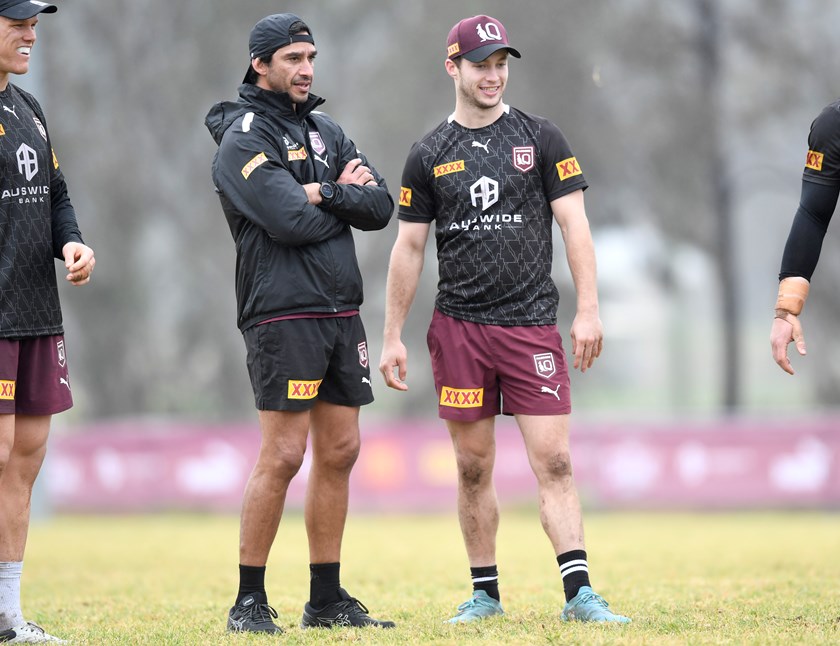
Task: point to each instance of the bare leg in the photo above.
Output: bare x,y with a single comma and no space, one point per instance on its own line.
335,447
23,445
281,454
547,442
478,507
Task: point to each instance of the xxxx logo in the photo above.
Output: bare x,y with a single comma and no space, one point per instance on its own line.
405,196
248,168
568,168
7,389
462,397
451,167
303,389
814,160
297,155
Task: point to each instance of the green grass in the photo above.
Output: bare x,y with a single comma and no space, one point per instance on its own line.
748,578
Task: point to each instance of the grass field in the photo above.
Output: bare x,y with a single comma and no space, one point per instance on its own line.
748,578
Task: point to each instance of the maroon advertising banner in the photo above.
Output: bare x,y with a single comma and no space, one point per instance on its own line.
409,466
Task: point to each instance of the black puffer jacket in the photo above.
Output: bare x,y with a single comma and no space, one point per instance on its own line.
291,257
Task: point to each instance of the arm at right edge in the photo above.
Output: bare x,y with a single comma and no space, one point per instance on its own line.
404,271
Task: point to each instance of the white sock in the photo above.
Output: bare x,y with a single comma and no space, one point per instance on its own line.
10,614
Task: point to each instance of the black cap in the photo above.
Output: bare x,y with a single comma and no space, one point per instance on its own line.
24,9
270,34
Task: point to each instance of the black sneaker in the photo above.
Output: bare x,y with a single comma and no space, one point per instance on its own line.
348,611
253,615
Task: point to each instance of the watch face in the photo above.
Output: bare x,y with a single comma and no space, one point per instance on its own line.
327,191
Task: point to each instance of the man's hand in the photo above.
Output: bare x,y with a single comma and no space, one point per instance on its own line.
785,329
356,173
79,260
394,355
587,340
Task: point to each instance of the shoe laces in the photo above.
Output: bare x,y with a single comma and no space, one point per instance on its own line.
593,597
261,612
353,605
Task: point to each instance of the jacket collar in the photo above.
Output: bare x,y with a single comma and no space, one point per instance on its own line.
266,100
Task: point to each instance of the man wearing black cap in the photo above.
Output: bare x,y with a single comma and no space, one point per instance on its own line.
492,178
38,225
292,185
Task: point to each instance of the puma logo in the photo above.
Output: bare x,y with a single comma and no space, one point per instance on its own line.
478,144
322,160
12,110
546,389
62,380
365,380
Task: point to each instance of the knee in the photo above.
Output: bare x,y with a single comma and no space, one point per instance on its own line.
341,456
473,471
282,463
556,466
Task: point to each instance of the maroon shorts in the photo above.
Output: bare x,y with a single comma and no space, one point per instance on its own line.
33,376
482,370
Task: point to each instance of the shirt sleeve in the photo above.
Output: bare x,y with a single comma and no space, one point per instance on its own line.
822,162
560,169
417,203
251,174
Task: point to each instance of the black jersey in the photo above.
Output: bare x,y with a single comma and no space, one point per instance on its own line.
36,220
822,164
489,192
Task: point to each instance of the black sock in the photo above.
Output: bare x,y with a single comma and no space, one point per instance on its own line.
251,579
487,579
575,572
323,583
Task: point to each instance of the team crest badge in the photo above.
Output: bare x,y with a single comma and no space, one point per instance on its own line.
523,158
363,354
317,143
62,358
40,127
545,364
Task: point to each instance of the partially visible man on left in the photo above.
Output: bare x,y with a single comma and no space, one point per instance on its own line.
37,224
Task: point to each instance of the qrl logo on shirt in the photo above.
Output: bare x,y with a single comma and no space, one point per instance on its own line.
363,354
405,196
303,389
568,168
545,364
814,160
523,158
462,397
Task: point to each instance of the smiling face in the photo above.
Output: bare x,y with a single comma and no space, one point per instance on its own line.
16,40
480,86
290,70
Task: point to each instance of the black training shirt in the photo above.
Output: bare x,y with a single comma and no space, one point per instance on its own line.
488,190
36,220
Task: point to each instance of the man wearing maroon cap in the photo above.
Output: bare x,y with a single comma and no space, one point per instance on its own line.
493,178
39,225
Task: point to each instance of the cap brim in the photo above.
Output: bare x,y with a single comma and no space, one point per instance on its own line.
27,10
478,55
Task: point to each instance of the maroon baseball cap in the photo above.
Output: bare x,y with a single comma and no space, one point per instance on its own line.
476,38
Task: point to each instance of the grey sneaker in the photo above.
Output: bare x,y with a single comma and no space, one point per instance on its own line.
253,615
28,633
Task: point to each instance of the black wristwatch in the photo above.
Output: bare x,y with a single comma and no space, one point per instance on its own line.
327,192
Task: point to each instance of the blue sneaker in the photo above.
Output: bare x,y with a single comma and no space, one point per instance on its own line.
588,606
481,605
